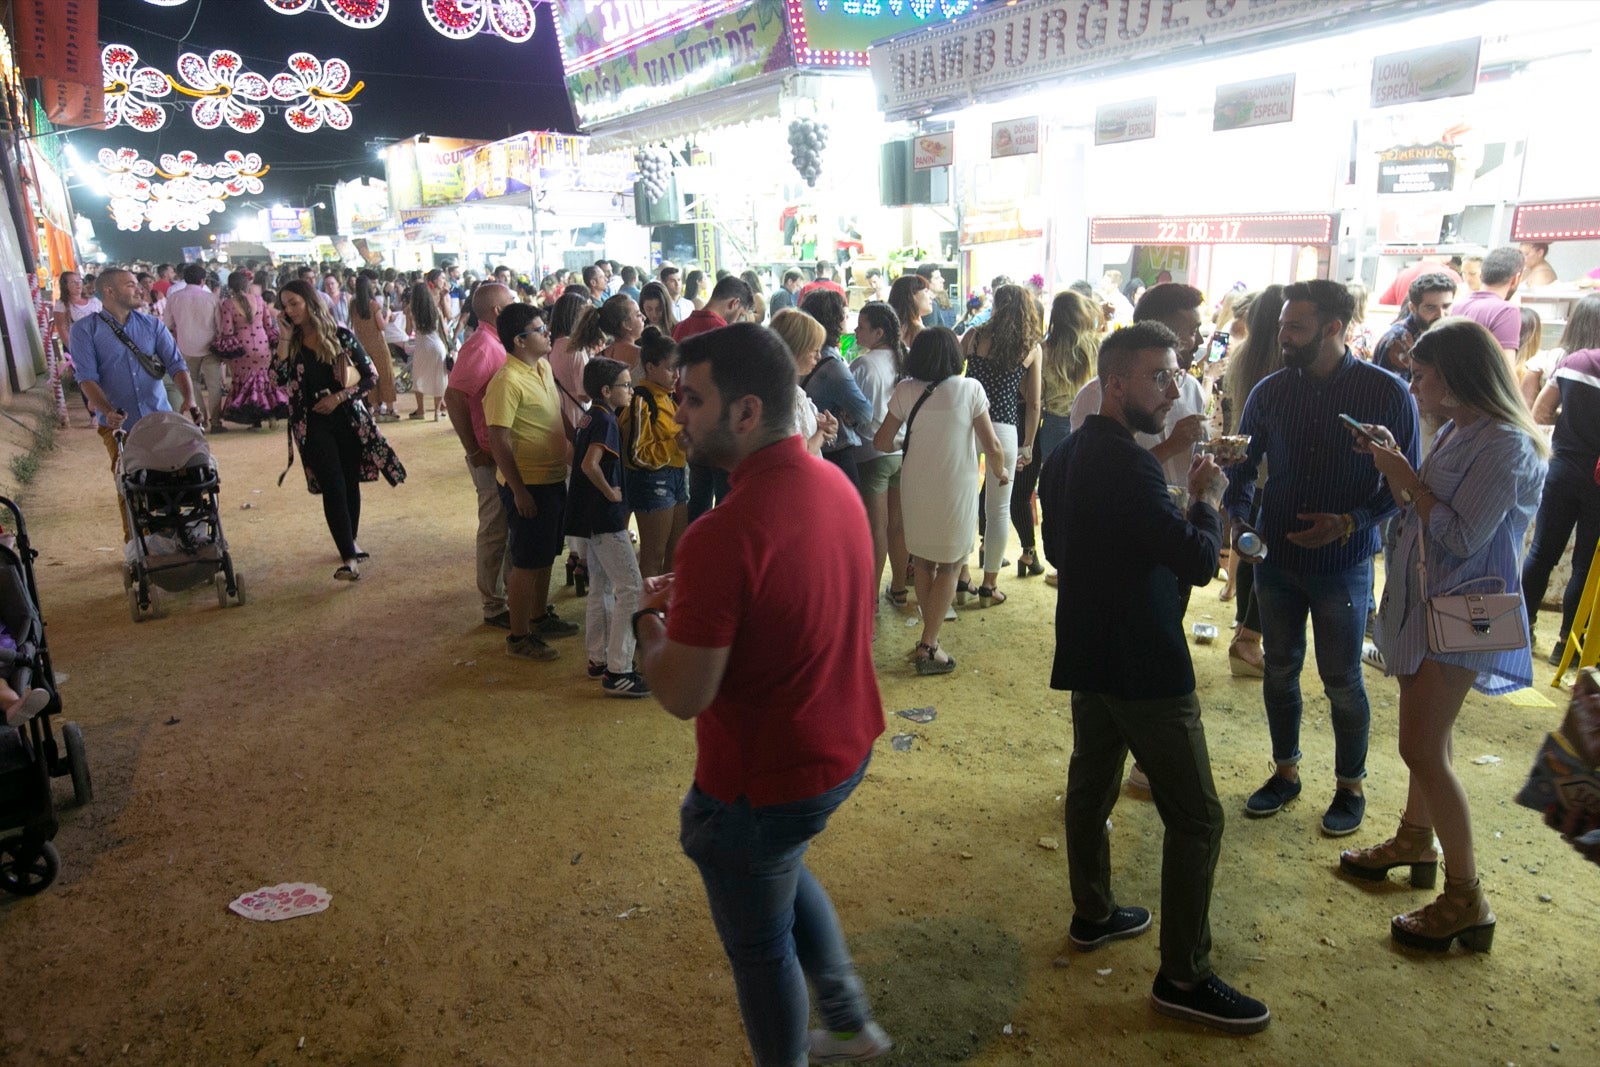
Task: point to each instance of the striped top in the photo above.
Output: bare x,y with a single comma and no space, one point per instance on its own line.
1293,419
1486,480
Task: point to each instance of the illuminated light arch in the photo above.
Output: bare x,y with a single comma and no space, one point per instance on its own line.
221,88
131,90
461,19
358,14
178,191
316,92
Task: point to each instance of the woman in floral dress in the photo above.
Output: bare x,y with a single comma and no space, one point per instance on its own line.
242,317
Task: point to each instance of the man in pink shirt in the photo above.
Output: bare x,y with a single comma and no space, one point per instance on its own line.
729,301
1491,306
479,358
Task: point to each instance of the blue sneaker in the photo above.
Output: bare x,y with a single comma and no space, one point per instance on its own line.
1213,1003
1345,813
1270,798
1124,922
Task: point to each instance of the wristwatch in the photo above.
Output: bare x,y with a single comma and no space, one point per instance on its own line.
634,622
1410,498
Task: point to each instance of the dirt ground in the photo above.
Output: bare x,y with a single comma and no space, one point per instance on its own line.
501,843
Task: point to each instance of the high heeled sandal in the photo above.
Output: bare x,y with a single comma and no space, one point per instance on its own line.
1028,564
580,579
572,569
1240,667
929,663
896,597
990,597
1460,913
964,589
1411,846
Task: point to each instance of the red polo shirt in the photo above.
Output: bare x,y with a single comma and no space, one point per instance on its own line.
701,320
792,601
820,284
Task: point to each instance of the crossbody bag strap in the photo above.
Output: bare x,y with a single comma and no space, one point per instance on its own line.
905,441
152,366
813,371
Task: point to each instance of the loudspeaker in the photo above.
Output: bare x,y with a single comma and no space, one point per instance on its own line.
899,184
664,212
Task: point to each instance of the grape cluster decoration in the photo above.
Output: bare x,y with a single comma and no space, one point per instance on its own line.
655,170
807,139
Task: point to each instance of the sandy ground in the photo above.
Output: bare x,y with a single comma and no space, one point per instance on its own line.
501,843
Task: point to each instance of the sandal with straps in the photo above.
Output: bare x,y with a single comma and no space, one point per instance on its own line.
929,663
896,597
990,597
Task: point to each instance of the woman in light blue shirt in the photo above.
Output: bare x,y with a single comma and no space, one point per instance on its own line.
1464,513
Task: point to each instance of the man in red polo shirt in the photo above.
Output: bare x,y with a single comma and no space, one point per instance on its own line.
778,676
729,301
824,280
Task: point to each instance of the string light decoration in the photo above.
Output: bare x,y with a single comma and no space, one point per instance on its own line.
131,90
188,194
461,19
357,14
315,92
220,86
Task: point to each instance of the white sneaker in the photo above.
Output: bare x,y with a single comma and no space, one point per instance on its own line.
1371,656
1136,779
867,1044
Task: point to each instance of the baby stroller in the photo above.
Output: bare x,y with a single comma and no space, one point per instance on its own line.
169,493
30,757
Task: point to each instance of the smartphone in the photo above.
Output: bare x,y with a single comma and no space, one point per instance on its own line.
1218,347
1361,430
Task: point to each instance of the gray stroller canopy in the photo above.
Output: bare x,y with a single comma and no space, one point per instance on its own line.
164,441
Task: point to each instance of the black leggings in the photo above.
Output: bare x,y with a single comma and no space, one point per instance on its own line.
332,452
1022,499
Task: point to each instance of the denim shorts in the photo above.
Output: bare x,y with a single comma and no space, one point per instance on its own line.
534,544
647,491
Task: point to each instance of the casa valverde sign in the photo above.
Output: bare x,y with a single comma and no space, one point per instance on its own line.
1003,47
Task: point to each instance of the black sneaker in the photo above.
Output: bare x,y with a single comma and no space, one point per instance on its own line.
1554,659
528,646
502,620
552,625
1270,798
597,670
1211,1003
1344,814
630,685
1124,922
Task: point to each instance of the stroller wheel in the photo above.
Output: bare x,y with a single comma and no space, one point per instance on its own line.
220,580
26,869
127,578
238,590
78,764
139,612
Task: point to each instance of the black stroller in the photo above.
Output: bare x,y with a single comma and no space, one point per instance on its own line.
30,756
169,493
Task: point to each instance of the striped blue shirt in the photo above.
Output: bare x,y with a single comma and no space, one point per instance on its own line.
1293,422
1486,480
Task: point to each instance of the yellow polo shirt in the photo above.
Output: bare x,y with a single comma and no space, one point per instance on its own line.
524,400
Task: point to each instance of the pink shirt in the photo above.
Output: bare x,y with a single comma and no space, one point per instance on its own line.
481,356
568,365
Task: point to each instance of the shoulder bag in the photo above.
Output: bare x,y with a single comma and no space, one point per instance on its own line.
1470,622
152,366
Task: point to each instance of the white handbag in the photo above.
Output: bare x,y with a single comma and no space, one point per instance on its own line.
1471,622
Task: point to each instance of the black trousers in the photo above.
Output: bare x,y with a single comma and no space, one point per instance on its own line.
332,452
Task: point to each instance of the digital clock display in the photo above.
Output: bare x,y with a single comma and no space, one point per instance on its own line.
1572,220
1299,229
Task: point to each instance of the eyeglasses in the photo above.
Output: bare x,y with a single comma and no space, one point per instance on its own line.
543,331
1164,378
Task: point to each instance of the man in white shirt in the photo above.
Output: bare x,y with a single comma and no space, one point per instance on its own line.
1177,307
191,315
682,306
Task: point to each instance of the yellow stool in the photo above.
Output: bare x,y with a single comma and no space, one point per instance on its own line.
1578,647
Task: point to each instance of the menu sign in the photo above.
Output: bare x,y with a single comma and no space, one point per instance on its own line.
1260,102
1417,168
1131,120
930,150
1426,73
1019,137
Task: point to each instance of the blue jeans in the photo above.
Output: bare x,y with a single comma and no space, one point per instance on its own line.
1337,604
775,920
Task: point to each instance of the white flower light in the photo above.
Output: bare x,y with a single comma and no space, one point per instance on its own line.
315,92
130,90
219,83
187,195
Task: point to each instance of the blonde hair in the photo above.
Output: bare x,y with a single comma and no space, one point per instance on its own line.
799,331
319,319
1473,366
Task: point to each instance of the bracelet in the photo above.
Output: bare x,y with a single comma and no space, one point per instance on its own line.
634,622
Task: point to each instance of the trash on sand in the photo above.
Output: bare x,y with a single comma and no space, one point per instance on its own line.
173,721
288,900
246,506
1006,1029
1486,761
1204,633
901,742
918,714
1049,843
1102,971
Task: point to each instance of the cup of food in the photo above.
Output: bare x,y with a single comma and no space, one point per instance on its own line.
1227,449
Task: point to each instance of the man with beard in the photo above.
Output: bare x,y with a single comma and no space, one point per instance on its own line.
1120,649
777,675
1491,306
1427,301
1319,518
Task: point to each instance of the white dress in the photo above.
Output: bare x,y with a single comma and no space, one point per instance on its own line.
428,375
939,479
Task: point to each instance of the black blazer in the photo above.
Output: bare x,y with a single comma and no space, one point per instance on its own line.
1122,548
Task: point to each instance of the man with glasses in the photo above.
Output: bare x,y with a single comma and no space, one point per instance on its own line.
1120,650
729,301
1319,518
528,440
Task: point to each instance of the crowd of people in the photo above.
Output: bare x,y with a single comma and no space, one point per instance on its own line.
1165,438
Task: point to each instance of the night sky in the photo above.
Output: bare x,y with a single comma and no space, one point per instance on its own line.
417,81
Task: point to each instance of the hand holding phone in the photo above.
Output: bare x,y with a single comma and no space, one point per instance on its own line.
1365,434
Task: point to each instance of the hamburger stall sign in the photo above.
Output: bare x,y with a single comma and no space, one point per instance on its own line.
1426,73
